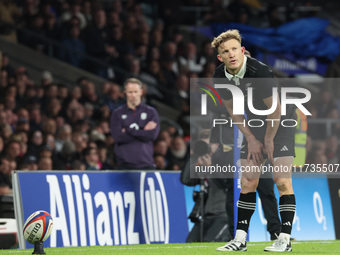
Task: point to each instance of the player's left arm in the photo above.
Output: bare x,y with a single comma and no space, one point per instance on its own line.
272,126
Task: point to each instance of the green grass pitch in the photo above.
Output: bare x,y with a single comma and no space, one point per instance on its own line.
299,247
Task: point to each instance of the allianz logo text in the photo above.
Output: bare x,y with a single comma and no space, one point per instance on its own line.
84,216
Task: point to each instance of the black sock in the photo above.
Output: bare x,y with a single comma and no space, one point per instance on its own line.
287,212
246,207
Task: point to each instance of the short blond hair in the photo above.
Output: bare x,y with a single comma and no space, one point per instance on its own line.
133,80
225,36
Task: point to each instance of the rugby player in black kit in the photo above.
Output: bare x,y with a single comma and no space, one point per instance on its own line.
271,140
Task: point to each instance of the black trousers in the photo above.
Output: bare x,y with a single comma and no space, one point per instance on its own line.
216,229
269,204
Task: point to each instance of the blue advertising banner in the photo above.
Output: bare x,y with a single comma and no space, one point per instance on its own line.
286,63
106,208
313,219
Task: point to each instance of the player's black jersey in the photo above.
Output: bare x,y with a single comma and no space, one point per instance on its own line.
257,76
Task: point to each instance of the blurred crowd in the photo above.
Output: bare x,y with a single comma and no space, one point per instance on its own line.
46,125
139,38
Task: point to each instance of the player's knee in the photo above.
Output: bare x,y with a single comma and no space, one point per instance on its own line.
283,185
249,184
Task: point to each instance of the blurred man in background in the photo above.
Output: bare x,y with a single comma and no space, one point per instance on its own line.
134,127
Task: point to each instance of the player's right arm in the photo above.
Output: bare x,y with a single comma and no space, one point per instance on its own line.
118,132
255,147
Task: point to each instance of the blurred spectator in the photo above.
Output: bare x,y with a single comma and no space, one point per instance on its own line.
150,81
5,65
156,38
35,143
166,136
114,98
30,163
51,29
76,93
160,147
332,151
179,153
63,92
22,113
46,151
97,44
64,134
130,27
45,163
75,10
240,11
208,70
273,16
87,11
49,126
160,162
13,151
182,87
36,26
36,122
3,80
104,157
64,158
333,113
80,143
325,103
190,59
116,39
207,54
5,177
167,74
75,48
318,152
9,12
22,125
78,165
53,108
91,159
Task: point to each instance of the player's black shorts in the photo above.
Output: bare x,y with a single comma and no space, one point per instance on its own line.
284,141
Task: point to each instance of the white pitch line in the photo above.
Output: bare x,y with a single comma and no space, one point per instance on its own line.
133,247
16,251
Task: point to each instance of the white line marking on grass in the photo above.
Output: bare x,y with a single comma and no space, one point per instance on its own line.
17,251
316,242
151,247
169,247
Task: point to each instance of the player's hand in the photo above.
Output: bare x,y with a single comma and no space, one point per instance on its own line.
255,149
205,160
269,149
151,125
